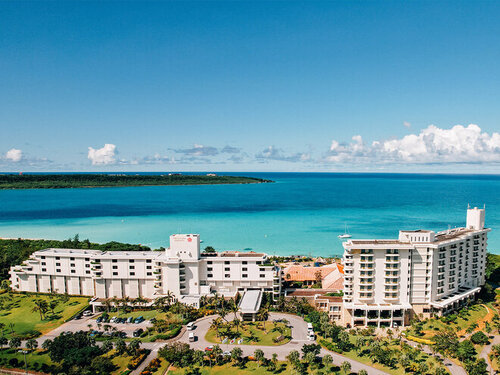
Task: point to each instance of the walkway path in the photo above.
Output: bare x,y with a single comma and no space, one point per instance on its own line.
454,368
487,350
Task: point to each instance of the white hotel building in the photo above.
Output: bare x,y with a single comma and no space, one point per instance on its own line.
386,282
181,270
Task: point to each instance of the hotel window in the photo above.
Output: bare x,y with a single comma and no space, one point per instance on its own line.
262,275
226,269
244,269
148,267
209,262
57,258
87,272
148,260
258,262
132,273
244,275
244,262
115,273
131,267
72,264
43,263
262,269
131,261
149,274
226,262
210,275
87,259
87,265
73,271
43,257
44,269
227,275
58,264
115,267
114,260
58,270
71,258
210,269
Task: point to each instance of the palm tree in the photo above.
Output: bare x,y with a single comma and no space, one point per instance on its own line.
237,324
216,324
32,344
107,303
41,306
234,308
345,367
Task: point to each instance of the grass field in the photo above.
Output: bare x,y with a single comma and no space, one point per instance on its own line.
18,310
119,361
34,359
250,368
433,326
262,337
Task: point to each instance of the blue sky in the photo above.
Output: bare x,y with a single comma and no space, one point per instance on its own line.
258,86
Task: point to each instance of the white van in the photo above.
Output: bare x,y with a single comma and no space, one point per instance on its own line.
191,337
190,326
309,327
311,336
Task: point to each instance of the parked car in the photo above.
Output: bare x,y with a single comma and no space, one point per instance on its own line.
138,332
130,319
226,353
79,316
99,319
209,348
190,326
192,337
113,319
139,320
87,313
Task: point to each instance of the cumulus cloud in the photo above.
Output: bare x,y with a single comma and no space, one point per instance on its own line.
103,156
199,150
273,153
14,155
407,124
432,145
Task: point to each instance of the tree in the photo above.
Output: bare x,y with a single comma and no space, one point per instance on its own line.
327,361
209,249
107,346
15,342
52,305
121,346
31,344
345,367
198,357
259,356
73,349
477,367
179,354
446,342
102,365
3,341
466,351
41,306
310,348
362,372
479,338
236,354
133,347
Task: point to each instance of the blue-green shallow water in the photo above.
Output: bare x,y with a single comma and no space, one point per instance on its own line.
299,214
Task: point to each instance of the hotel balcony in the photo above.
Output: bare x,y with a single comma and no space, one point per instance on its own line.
95,262
391,261
391,298
391,282
33,260
366,261
365,298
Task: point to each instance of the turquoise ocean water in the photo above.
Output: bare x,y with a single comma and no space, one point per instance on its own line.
301,213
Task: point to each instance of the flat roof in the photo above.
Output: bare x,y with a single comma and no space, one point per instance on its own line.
250,302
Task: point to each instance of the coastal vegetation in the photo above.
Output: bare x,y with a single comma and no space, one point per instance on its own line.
62,181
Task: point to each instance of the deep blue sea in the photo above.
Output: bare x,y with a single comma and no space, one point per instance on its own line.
301,213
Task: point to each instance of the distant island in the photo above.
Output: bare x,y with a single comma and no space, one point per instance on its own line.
62,181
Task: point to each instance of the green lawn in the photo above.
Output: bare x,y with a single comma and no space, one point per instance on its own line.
34,359
121,362
163,367
434,325
18,310
251,367
147,314
263,337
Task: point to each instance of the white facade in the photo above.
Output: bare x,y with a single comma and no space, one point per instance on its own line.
181,270
422,272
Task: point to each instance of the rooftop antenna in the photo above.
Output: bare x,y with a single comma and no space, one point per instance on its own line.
468,206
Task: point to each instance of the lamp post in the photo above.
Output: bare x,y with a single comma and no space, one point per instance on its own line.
25,362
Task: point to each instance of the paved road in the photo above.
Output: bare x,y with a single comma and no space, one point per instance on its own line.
452,366
299,334
487,350
298,327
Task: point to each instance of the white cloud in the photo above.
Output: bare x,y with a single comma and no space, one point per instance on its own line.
102,156
432,145
14,155
199,150
273,153
407,124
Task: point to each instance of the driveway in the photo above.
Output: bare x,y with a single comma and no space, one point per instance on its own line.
299,338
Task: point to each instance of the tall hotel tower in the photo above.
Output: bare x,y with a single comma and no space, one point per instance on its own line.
422,273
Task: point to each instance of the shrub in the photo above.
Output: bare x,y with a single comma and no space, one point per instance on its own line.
420,340
29,334
479,338
134,363
13,362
